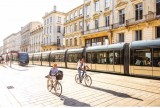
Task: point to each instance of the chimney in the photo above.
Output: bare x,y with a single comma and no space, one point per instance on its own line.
54,8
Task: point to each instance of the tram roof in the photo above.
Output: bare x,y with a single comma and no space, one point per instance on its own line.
118,46
145,44
58,52
79,50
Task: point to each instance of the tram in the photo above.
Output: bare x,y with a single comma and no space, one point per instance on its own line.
139,58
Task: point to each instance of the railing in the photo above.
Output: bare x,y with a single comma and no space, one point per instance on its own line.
117,25
100,29
147,17
51,44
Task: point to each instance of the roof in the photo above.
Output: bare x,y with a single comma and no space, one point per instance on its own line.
118,46
145,44
75,50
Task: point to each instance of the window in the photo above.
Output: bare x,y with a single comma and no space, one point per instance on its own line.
47,21
50,19
74,57
102,57
87,26
75,41
67,18
158,7
94,58
105,40
71,16
138,35
107,3
58,42
87,10
116,57
70,42
75,27
59,19
121,16
59,29
47,29
80,25
158,32
97,6
142,57
139,11
88,42
96,41
67,42
107,21
156,57
110,57
80,11
121,37
44,22
96,24
75,14
88,58
50,29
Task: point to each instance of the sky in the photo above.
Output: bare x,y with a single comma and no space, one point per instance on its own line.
17,13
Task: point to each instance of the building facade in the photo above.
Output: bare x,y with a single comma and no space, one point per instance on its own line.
53,31
25,35
1,50
115,21
9,43
36,39
74,28
17,41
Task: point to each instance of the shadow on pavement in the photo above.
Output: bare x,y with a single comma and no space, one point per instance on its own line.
72,102
123,95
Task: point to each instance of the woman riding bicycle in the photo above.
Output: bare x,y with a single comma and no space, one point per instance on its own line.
81,66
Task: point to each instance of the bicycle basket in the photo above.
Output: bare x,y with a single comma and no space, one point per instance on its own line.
59,75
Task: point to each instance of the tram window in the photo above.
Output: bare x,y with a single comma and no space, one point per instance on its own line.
142,57
131,58
117,57
57,58
156,57
88,58
52,58
102,57
110,57
74,57
61,58
94,58
44,58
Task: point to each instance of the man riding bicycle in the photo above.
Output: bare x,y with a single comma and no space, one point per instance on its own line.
81,67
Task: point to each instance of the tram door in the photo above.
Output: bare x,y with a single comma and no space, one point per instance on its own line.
156,62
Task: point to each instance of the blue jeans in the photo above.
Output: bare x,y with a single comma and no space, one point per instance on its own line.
79,72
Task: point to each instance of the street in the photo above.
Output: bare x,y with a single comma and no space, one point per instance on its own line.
27,86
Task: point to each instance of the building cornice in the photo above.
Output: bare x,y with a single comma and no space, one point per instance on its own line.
121,3
53,12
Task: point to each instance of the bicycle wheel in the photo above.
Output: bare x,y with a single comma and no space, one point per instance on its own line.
58,89
49,85
88,80
77,79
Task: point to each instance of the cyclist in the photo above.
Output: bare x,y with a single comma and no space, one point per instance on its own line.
53,72
81,67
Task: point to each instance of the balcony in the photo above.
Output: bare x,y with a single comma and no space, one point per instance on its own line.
50,44
148,17
100,29
118,25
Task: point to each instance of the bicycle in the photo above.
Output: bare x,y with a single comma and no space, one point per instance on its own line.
87,78
55,85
